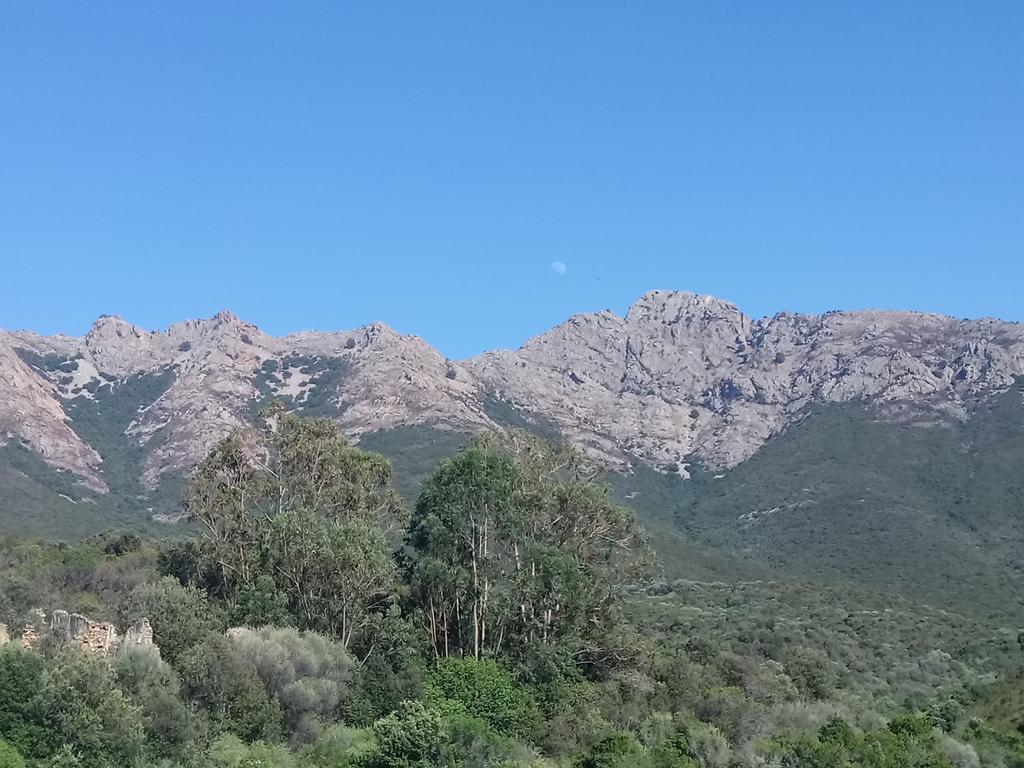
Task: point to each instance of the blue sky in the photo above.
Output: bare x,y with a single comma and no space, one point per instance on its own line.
327,164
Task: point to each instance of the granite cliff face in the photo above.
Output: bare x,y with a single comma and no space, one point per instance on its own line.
686,377
681,378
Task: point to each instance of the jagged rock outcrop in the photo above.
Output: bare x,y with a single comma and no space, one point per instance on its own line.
392,380
31,412
680,378
685,376
97,637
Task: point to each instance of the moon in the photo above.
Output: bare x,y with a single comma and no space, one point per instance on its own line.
559,267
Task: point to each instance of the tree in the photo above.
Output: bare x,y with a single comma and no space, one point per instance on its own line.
517,545
83,709
222,498
337,575
463,513
226,684
482,690
302,507
181,616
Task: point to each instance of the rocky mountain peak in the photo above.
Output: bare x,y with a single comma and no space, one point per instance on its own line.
681,378
379,334
116,347
227,317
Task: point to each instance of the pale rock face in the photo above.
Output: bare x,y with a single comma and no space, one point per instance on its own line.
680,378
394,380
685,376
30,411
214,362
119,348
99,638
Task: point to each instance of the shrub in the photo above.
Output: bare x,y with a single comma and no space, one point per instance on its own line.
480,689
10,757
224,683
307,673
181,616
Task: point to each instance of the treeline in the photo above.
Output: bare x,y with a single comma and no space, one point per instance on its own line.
314,621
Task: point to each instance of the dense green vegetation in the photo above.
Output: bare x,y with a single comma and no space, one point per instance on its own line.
40,500
933,512
325,375
844,497
513,616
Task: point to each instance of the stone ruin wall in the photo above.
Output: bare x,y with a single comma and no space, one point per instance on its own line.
97,637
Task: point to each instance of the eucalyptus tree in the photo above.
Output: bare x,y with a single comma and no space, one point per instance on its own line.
517,545
299,503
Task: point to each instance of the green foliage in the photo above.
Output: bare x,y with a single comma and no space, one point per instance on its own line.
617,750
510,416
519,533
336,576
391,670
414,737
929,512
89,577
228,751
21,674
34,491
340,746
320,396
169,724
64,757
228,687
780,642
306,530
305,673
47,363
38,500
482,690
415,451
10,757
907,742
180,615
517,627
82,708
102,420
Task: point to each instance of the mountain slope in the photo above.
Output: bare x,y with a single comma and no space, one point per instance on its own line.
933,511
686,377
680,378
871,446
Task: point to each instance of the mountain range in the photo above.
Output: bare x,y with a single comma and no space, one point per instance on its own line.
751,444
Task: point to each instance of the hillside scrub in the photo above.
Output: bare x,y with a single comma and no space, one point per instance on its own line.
512,617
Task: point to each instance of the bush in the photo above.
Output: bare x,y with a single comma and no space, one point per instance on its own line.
413,737
307,673
617,750
10,757
83,709
229,751
181,616
170,725
226,684
21,674
480,689
342,747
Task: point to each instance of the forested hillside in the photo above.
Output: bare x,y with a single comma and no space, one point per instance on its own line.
514,615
